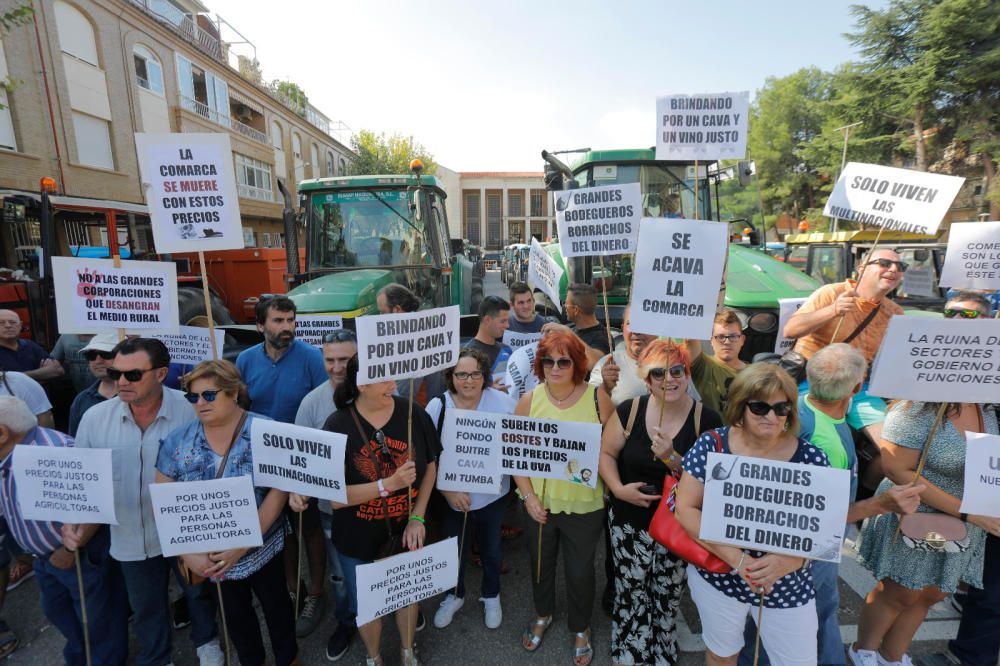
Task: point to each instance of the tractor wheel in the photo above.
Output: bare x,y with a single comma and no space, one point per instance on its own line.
191,308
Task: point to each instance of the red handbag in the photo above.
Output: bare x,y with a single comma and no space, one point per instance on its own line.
665,529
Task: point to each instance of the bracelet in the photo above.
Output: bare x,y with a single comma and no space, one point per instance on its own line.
739,564
964,517
524,498
669,459
419,519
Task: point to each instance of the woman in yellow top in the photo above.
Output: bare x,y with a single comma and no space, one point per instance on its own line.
571,514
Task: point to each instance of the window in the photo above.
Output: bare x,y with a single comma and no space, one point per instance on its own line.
203,92
343,167
267,239
279,240
539,228
826,263
296,146
537,203
516,232
7,141
76,34
93,141
314,160
248,238
148,70
276,138
253,178
330,165
472,218
494,213
515,204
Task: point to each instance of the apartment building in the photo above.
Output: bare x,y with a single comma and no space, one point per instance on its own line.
502,207
91,73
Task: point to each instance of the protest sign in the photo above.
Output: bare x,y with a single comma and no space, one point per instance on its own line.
190,185
973,257
776,507
938,360
311,330
678,270
406,344
92,295
543,448
65,485
516,340
300,460
705,127
891,198
519,376
399,581
599,220
470,459
981,495
192,344
544,273
205,516
786,308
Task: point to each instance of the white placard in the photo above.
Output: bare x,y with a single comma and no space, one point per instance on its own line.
311,330
92,295
705,127
973,257
516,340
775,507
206,516
406,344
891,198
786,308
64,485
399,581
599,220
544,273
678,270
981,496
298,459
938,360
470,456
543,448
190,186
193,344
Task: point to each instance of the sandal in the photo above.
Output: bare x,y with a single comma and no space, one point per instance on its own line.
530,637
583,652
374,661
408,656
8,641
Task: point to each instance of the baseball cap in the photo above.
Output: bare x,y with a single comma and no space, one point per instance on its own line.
104,342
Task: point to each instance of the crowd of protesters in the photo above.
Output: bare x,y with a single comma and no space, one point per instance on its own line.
662,404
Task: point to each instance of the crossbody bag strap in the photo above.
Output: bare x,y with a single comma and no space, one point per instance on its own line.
863,325
631,417
236,435
697,418
371,454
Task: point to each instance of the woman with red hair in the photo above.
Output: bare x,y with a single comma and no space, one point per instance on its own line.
571,514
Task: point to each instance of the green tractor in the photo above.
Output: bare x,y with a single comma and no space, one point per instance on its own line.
755,281
364,232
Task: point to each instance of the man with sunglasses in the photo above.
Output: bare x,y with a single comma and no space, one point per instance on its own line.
132,425
99,353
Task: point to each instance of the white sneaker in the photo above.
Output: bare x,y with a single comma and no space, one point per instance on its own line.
210,654
494,614
444,614
905,661
863,657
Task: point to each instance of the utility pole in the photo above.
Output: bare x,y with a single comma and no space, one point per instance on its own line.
846,129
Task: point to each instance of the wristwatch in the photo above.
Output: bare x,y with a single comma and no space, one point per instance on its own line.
382,492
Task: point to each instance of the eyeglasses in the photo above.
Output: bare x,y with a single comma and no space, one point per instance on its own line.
676,371
729,337
343,335
93,354
964,314
886,264
463,376
761,408
382,444
564,363
131,375
209,396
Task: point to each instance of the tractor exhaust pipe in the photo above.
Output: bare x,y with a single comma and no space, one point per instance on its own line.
291,235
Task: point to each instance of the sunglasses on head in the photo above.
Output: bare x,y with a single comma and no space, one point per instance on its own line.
564,363
93,354
885,264
343,335
761,408
676,371
382,444
209,396
131,375
964,314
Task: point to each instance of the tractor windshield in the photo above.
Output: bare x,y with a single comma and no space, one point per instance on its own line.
667,189
364,228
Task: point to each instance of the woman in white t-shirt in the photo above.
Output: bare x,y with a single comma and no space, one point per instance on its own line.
468,388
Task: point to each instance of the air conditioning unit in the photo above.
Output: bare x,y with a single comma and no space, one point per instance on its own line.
244,113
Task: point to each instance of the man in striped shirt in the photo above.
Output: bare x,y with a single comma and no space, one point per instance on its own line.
54,564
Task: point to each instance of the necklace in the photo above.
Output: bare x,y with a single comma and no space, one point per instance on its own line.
553,397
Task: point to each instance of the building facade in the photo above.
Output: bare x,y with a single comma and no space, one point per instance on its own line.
496,208
91,73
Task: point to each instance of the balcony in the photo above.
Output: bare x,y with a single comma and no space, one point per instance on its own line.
256,193
184,24
203,110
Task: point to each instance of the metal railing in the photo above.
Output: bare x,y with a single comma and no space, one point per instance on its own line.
207,112
184,24
249,132
256,193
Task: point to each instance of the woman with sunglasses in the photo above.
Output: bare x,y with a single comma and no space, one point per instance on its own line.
468,388
571,514
643,441
217,445
383,482
911,577
765,424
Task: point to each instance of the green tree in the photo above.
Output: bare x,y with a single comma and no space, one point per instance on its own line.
292,94
379,154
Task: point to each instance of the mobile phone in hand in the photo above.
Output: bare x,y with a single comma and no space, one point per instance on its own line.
648,489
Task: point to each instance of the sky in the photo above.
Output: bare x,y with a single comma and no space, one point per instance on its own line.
485,86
